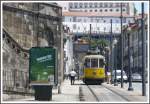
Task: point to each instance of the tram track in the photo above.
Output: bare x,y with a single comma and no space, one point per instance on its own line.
117,93
96,97
102,93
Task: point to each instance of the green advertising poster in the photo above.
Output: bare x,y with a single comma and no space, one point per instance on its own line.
42,65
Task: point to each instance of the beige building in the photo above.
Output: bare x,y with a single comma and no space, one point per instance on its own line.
79,15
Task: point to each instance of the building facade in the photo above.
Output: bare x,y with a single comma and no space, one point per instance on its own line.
27,25
79,15
135,37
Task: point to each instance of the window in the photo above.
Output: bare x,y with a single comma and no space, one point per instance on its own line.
111,5
105,5
75,6
123,4
95,10
87,63
105,10
74,26
79,20
117,21
100,10
94,63
117,4
124,10
110,10
85,10
129,21
85,5
80,5
95,4
117,10
124,20
101,63
91,5
70,6
91,10
70,19
97,20
74,19
101,5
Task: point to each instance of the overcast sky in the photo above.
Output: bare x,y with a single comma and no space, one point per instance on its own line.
138,7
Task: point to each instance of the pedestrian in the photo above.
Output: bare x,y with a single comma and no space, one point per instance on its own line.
66,75
72,76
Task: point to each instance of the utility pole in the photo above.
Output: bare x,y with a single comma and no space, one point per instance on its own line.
90,37
143,52
111,58
129,64
121,49
115,63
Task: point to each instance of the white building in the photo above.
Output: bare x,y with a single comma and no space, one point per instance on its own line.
68,48
79,15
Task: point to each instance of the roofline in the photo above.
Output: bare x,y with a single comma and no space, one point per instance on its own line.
96,15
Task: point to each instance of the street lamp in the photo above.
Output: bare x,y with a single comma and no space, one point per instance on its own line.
122,61
111,60
129,63
107,65
143,52
115,64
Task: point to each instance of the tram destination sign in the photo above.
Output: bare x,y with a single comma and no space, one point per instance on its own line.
42,66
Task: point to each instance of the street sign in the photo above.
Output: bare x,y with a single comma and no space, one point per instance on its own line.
42,66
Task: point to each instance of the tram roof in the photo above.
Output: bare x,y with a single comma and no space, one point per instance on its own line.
94,56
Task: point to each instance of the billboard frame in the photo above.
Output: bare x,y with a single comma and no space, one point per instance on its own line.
55,69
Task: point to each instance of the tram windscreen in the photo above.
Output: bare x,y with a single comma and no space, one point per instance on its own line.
87,63
101,63
94,63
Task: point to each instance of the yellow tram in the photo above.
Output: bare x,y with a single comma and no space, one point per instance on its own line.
93,69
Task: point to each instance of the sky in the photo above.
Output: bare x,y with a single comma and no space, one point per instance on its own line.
138,7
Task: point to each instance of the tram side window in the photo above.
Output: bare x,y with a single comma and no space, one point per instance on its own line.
101,63
87,62
94,63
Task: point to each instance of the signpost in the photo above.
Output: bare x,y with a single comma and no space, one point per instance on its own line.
42,71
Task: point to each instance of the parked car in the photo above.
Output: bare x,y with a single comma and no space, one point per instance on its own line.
136,77
118,76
